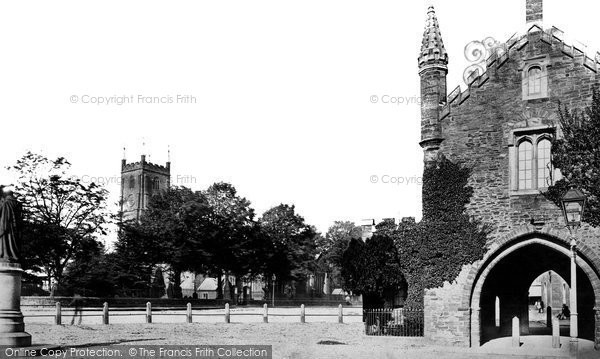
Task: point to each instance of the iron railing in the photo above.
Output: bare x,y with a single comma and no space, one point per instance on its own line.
400,322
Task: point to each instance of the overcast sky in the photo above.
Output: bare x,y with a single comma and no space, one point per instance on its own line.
283,91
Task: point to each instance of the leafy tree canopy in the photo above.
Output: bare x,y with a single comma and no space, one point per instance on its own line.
577,155
292,242
61,213
374,270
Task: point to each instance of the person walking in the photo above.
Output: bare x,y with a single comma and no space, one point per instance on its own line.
77,303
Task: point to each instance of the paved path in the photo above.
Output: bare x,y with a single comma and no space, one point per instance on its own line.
539,345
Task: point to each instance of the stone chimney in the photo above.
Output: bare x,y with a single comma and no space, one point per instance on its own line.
534,12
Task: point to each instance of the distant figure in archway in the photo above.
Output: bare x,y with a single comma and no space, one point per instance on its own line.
565,312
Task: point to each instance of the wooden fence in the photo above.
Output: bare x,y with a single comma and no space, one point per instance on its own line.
148,313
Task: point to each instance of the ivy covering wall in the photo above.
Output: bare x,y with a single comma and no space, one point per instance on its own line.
434,250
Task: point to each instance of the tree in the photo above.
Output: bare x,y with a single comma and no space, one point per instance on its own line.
353,263
234,246
577,155
158,283
136,255
91,273
61,213
292,243
374,270
332,246
173,230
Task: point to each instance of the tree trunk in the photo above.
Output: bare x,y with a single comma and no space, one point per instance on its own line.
219,285
177,284
240,290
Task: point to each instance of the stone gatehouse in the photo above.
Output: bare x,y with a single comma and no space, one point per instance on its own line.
502,126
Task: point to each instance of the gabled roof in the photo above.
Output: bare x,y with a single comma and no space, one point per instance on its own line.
498,58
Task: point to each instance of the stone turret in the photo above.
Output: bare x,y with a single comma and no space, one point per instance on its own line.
433,68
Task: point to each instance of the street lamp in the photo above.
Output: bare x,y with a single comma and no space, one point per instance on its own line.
573,205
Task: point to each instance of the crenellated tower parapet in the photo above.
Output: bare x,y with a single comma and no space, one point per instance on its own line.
140,181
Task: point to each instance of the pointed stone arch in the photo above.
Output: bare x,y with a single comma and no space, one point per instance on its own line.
522,237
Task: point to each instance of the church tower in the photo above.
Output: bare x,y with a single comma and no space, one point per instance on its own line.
433,68
139,181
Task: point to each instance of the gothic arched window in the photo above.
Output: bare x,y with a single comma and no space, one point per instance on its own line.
531,161
543,163
525,165
131,182
535,80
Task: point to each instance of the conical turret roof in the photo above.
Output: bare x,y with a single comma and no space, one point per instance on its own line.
433,51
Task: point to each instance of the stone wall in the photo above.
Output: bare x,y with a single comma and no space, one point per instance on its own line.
447,320
478,131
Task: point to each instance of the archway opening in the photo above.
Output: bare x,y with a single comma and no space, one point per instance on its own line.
549,297
506,293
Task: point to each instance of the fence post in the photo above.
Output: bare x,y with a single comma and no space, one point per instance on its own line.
555,333
227,314
516,332
58,316
378,321
265,314
340,314
188,313
302,314
105,313
401,316
148,312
